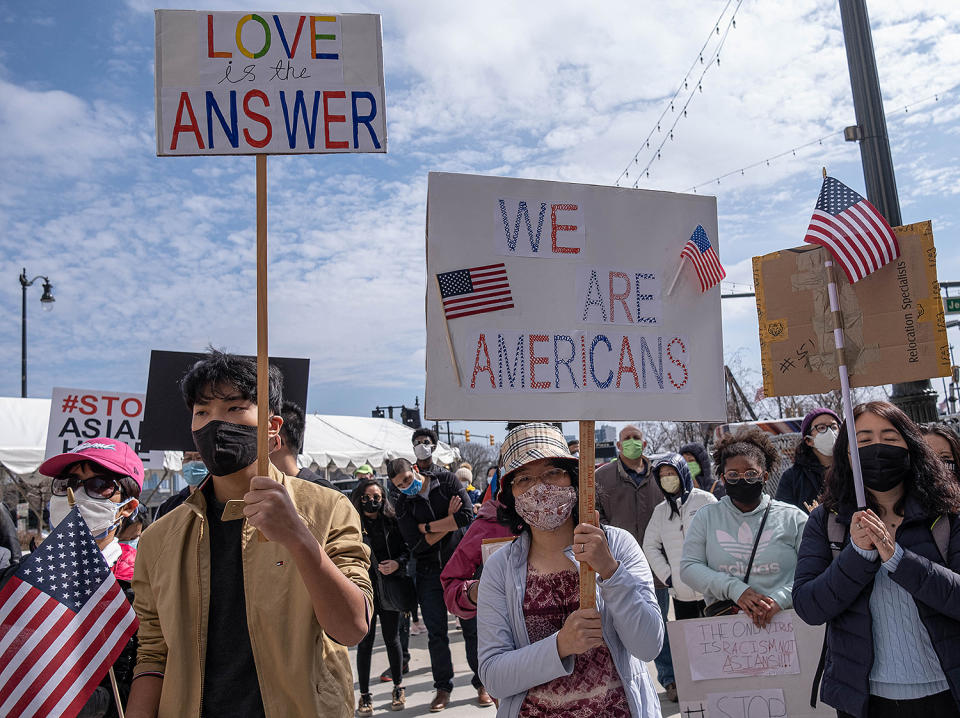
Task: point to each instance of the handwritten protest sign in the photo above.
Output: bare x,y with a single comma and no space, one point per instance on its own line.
553,297
894,323
727,668
78,415
265,82
761,703
733,646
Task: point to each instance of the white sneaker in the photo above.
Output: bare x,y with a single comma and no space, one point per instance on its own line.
416,628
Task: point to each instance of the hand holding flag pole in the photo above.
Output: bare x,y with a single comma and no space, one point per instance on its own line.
857,236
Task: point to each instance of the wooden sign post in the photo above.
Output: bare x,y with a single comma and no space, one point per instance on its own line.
263,363
588,494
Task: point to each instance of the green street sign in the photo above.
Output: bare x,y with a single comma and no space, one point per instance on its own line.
951,305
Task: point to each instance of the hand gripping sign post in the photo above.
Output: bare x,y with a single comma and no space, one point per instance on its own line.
546,300
235,83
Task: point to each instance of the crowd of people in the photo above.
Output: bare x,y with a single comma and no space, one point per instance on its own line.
249,589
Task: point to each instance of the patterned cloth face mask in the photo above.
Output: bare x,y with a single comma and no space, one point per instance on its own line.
546,507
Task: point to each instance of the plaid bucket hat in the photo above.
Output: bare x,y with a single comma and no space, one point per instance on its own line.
529,442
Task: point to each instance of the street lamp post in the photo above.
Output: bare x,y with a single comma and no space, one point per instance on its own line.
46,302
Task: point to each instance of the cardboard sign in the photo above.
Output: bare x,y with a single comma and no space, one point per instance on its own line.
732,646
79,415
235,83
894,323
166,424
490,546
553,295
717,663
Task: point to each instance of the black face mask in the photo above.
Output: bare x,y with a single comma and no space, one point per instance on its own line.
884,466
371,506
226,448
744,492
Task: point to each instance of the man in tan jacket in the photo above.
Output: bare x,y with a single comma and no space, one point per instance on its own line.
231,625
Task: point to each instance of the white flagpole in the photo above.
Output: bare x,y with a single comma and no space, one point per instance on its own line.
675,278
841,357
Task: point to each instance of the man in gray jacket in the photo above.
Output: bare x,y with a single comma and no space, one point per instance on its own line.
626,496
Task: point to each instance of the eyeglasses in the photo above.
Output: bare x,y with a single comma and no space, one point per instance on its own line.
751,476
823,428
97,487
551,476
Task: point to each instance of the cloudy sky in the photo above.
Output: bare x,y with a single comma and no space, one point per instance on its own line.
157,253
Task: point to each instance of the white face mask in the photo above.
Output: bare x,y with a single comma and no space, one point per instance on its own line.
824,442
423,451
100,514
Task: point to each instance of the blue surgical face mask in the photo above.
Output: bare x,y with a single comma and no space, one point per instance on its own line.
414,488
132,543
194,472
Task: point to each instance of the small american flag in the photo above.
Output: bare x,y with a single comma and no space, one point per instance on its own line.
852,230
475,290
63,623
704,260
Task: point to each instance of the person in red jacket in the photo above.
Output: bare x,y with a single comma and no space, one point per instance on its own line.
460,577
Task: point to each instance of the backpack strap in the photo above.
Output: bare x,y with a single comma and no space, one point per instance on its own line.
940,528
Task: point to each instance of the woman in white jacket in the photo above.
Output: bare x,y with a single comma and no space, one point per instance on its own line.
663,540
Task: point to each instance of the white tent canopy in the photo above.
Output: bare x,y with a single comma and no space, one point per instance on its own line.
329,441
345,442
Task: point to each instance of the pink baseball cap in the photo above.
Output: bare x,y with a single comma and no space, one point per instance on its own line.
111,454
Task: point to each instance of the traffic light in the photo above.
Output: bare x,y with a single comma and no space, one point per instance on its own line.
377,413
492,442
466,434
410,417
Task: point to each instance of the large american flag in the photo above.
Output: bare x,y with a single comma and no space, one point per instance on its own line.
852,230
63,622
704,260
475,290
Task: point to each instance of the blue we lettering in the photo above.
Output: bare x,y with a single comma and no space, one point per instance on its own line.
538,228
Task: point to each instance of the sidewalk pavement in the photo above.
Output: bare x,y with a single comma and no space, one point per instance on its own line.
419,682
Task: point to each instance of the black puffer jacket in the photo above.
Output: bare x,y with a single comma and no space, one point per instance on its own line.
801,483
706,479
837,592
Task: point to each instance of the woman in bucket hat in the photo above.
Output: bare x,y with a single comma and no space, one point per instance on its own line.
540,654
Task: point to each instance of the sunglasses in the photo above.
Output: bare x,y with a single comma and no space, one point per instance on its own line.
97,487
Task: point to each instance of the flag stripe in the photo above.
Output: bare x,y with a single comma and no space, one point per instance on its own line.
14,586
852,232
21,602
479,311
51,660
44,612
837,250
88,658
474,305
853,248
483,290
471,298
872,241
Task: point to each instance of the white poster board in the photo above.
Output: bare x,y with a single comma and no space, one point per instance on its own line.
727,668
556,307
79,415
240,83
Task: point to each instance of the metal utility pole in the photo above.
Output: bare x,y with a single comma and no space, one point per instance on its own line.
917,398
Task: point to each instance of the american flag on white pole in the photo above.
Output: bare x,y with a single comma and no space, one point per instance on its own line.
704,259
63,622
475,290
852,230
